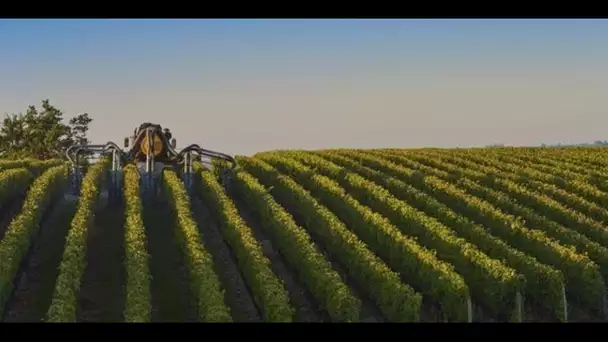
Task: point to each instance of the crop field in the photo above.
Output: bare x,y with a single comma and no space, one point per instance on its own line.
343,235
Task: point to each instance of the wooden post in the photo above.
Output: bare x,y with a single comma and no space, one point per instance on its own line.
469,310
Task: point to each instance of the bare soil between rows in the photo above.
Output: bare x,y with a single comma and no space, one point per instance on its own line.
101,297
237,296
35,282
369,310
172,299
307,310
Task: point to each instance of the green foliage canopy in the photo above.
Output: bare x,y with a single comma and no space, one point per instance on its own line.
41,133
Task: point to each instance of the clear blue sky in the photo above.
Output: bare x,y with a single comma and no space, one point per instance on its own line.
243,86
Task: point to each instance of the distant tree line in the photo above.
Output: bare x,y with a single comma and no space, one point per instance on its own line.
41,133
595,143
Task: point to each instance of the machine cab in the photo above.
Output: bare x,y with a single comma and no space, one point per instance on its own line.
162,136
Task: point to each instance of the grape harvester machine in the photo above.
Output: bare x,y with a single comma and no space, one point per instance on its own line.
151,149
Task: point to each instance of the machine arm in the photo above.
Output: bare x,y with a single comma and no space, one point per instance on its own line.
211,154
74,151
118,157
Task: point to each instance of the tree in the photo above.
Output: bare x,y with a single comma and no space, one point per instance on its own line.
80,126
41,133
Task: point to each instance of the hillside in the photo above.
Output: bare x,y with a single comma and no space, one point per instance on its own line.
432,235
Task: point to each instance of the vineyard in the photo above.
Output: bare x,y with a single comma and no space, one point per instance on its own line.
344,235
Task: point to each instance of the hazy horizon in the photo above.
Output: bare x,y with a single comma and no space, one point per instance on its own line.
244,86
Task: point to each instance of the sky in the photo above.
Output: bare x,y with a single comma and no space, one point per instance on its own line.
245,86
